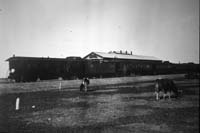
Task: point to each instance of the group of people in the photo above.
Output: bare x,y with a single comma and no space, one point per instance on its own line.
164,86
84,85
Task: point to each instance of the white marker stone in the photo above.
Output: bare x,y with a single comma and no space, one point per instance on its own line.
17,104
60,86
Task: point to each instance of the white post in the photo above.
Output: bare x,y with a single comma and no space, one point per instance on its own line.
157,97
17,104
60,86
85,87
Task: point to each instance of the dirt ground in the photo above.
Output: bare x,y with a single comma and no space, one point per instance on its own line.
119,108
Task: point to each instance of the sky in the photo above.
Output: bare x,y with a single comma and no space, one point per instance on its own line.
166,29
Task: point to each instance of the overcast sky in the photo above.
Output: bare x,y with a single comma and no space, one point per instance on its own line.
166,29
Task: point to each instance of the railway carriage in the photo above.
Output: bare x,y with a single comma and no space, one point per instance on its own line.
23,69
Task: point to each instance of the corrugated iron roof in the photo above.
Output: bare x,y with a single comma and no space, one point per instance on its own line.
126,56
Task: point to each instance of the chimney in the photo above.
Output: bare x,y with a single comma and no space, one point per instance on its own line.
120,51
131,53
126,52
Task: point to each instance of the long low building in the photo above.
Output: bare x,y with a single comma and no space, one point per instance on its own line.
93,65
119,64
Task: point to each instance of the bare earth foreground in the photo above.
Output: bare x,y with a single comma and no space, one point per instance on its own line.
106,108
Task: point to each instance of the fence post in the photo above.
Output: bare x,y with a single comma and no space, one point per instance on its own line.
60,86
17,103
